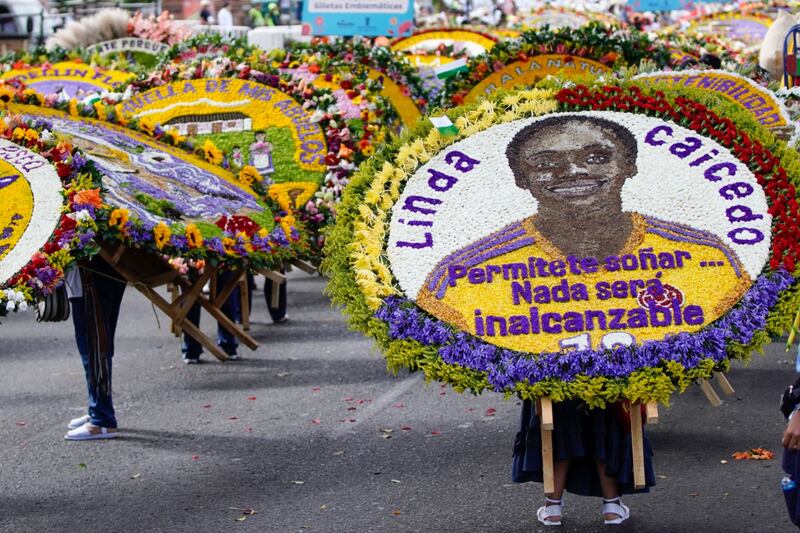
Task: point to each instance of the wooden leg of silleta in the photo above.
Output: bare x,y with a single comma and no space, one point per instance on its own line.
711,394
174,294
244,297
213,308
546,418
308,268
276,278
652,412
724,384
637,443
172,310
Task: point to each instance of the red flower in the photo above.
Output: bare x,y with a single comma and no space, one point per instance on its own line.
238,223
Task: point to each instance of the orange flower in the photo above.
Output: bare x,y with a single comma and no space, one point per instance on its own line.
344,152
88,197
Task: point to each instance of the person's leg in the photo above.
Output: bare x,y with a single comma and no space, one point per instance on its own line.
553,500
610,491
82,340
278,314
232,309
607,483
560,471
190,347
109,295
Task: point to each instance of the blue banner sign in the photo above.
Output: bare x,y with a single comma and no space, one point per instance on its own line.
370,18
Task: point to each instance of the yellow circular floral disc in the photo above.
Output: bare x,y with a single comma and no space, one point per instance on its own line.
16,208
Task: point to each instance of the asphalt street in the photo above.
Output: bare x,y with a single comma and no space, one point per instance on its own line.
311,434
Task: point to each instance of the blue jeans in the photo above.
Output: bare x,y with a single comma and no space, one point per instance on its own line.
225,339
109,293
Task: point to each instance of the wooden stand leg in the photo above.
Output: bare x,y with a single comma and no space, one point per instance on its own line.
652,413
546,417
275,296
724,384
214,309
244,298
276,278
711,394
174,294
308,268
637,441
146,272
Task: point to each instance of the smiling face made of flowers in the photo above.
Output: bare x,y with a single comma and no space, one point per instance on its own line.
574,165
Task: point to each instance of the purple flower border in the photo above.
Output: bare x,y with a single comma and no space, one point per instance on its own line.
504,368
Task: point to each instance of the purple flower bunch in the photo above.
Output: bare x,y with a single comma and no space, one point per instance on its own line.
504,368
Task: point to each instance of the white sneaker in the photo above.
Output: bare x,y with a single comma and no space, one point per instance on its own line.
89,431
75,423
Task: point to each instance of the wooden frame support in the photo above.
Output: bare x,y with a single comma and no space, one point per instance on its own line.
711,394
147,271
637,443
174,294
652,412
545,406
308,268
244,297
724,384
277,279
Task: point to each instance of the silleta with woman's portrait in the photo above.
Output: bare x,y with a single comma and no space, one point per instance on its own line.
563,232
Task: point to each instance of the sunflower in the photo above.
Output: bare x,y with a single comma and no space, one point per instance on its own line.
6,94
248,175
212,153
120,116
147,126
162,234
175,136
100,108
118,218
193,236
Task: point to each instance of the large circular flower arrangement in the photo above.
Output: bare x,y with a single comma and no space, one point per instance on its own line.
350,138
401,83
460,41
690,48
597,48
161,199
555,17
65,79
432,270
50,197
748,29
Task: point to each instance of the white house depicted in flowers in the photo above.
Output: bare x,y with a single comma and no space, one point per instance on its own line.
211,123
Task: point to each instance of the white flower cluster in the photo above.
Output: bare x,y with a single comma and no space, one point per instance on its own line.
13,301
46,188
